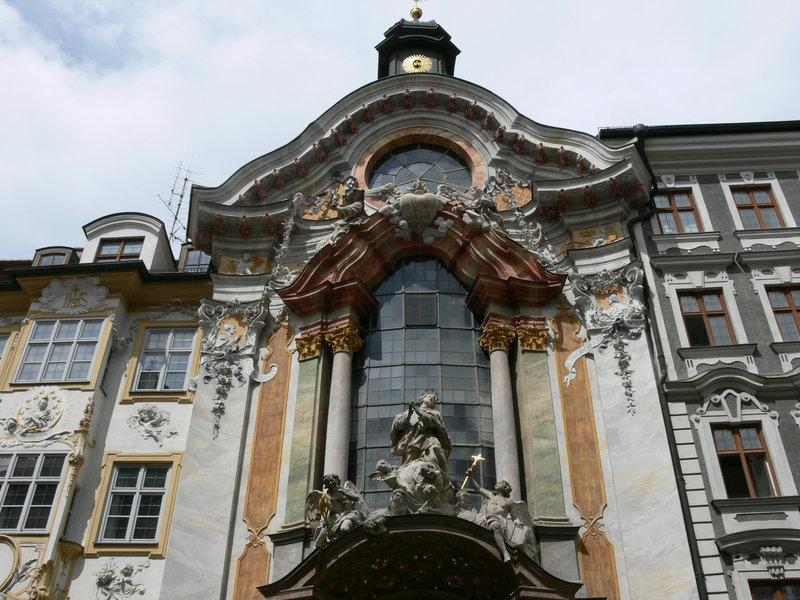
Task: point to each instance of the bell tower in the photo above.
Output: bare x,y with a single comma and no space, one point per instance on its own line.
416,46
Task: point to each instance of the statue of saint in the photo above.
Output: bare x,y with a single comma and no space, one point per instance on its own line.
419,434
508,520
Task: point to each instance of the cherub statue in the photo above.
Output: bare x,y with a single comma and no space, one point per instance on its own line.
507,519
481,212
339,509
350,210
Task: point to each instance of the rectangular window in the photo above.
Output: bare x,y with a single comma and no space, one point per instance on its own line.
196,262
757,208
706,319
51,258
786,307
29,485
60,350
676,212
135,503
744,460
775,590
165,359
119,250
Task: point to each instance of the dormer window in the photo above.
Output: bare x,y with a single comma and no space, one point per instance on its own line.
119,250
51,258
195,261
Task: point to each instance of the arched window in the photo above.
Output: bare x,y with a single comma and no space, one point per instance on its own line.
423,336
433,165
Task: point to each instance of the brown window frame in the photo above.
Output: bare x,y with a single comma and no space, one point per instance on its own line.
756,206
777,587
675,211
743,453
792,308
121,254
699,297
63,256
195,268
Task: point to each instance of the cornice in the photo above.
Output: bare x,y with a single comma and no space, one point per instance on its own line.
329,296
713,380
768,258
752,540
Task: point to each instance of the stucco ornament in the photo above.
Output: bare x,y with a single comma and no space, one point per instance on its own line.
613,312
415,211
336,510
35,421
118,583
152,423
480,211
228,352
350,208
73,296
175,306
732,404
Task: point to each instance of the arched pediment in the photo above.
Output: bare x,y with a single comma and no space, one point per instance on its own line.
501,267
421,556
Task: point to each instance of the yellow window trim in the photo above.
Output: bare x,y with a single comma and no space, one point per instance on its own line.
12,331
10,363
129,395
157,549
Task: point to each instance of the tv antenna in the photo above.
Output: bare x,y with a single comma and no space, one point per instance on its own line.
174,203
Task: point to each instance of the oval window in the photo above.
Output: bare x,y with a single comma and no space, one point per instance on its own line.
433,165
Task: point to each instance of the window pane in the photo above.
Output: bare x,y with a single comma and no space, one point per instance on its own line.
733,474
759,472
51,466
67,330
749,437
741,197
43,330
156,340
155,477
662,201
689,222
182,339
79,371
25,466
127,477
792,592
132,247
724,439
719,329
5,461
761,197
778,299
91,330
696,330
788,327
749,220
770,218
682,199
763,593
109,248
689,304
668,224
712,302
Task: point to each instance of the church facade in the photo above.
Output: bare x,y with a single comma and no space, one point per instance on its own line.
429,348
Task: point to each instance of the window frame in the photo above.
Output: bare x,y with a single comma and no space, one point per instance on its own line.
156,548
698,295
129,392
675,211
53,341
192,267
63,256
743,454
34,480
756,206
792,308
777,594
120,255
167,353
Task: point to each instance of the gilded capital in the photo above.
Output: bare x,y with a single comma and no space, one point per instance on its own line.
497,337
309,347
344,339
533,338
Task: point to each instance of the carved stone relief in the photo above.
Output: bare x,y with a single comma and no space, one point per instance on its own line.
229,344
73,296
35,419
119,583
613,312
152,423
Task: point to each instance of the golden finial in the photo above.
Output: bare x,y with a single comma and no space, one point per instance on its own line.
416,12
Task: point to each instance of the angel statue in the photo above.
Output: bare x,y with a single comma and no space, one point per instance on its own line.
507,519
338,509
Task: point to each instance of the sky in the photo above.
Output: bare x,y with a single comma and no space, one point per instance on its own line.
102,100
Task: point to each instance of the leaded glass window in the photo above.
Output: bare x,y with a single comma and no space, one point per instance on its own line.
432,165
423,336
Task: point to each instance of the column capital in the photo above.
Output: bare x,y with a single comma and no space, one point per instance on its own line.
496,336
309,346
533,338
344,339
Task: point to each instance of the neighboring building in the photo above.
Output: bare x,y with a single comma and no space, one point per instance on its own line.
578,304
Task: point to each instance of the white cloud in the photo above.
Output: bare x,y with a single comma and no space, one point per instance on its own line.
103,99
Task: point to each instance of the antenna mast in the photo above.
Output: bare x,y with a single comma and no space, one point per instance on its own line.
174,204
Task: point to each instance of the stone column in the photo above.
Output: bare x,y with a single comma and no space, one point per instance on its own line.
496,341
343,342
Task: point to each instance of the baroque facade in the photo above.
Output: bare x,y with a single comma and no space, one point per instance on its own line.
429,348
